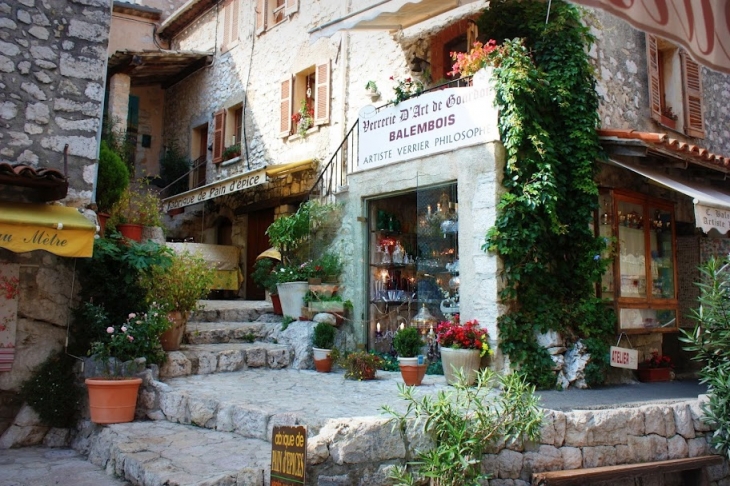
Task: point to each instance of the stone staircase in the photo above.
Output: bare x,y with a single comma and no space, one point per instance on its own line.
207,417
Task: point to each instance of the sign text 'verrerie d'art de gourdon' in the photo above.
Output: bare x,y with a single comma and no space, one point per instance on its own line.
435,122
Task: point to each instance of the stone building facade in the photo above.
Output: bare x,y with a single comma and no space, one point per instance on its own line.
52,63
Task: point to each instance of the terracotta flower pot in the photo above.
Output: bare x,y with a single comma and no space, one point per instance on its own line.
468,360
649,375
276,302
172,338
411,372
112,401
103,218
131,231
322,360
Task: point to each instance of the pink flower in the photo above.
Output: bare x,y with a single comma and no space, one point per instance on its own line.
124,328
132,315
131,338
110,330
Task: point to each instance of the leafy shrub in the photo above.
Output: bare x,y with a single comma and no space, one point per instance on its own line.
112,179
408,342
52,391
360,365
323,336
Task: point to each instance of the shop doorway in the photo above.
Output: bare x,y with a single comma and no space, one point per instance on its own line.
257,242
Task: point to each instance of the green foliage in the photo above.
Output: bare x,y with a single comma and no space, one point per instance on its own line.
285,321
112,179
264,276
181,284
545,91
710,340
435,368
388,361
360,365
137,206
463,423
232,151
323,336
52,391
174,165
408,342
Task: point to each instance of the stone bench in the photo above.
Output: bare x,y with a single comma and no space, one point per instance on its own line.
691,469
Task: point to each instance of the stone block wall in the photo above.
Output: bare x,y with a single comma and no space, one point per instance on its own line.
52,67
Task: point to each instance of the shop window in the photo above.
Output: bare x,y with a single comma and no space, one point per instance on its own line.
198,152
270,13
230,26
642,281
458,37
675,87
308,94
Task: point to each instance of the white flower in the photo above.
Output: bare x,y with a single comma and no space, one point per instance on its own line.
132,315
110,330
124,328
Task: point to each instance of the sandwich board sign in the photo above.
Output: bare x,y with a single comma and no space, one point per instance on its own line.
288,455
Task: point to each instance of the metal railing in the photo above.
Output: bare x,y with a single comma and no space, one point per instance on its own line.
334,174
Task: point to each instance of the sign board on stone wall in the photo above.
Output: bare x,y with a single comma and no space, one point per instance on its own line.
708,217
288,455
238,182
624,358
435,122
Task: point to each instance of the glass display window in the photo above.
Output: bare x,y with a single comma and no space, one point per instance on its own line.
641,282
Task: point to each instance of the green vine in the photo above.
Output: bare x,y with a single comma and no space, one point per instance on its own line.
545,90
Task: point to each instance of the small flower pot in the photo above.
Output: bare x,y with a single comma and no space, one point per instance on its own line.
322,360
411,372
650,375
172,338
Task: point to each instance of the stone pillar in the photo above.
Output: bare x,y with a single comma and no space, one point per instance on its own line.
119,86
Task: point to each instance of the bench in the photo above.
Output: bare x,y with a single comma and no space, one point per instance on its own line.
691,469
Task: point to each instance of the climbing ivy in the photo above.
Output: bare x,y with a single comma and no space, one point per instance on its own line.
545,91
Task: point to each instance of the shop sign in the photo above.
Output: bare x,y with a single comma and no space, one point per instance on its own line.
624,358
709,217
435,122
233,184
288,455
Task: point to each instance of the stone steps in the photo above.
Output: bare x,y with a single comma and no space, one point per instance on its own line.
205,359
163,453
232,311
265,329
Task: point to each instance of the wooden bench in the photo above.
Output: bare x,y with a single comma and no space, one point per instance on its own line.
691,469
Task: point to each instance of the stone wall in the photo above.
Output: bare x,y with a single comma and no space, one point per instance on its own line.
52,64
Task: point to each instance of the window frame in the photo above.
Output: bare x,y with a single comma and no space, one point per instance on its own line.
265,13
293,90
231,27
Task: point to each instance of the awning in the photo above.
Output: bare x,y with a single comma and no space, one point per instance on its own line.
58,229
388,15
703,28
279,170
150,67
712,207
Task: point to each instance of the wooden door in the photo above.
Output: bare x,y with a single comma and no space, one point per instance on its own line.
258,242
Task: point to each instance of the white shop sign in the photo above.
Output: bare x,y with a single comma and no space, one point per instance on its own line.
435,122
709,217
624,358
236,183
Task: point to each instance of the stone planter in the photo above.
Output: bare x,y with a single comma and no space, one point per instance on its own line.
322,360
292,295
466,360
649,375
112,401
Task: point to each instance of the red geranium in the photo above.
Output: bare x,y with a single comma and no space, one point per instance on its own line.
657,361
453,334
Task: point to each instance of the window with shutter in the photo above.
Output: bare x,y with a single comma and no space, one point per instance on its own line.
655,89
270,13
230,25
219,126
694,124
285,107
322,97
261,14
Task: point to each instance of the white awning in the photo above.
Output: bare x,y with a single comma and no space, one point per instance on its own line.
388,15
712,206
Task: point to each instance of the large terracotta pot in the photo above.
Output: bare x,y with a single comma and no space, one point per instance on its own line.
131,231
172,338
112,401
322,360
292,295
276,302
468,360
411,372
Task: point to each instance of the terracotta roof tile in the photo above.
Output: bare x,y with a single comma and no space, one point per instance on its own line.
662,140
51,183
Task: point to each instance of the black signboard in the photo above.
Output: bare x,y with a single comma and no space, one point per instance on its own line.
288,456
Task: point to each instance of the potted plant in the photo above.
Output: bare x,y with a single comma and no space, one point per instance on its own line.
408,343
232,151
372,90
264,275
136,209
118,354
655,368
323,340
304,118
462,346
360,365
112,180
177,288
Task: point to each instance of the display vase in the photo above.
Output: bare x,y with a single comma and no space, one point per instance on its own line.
292,295
172,338
322,360
131,231
649,375
466,360
411,372
112,401
276,302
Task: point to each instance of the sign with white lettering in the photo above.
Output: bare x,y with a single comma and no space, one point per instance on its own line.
288,455
435,122
624,358
708,217
239,182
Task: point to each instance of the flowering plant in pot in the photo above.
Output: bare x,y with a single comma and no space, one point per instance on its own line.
323,340
360,365
304,117
462,346
122,351
656,367
136,208
177,288
408,343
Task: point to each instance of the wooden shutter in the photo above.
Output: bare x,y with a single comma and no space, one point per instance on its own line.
322,96
261,15
219,126
292,6
285,107
694,124
226,23
655,87
233,9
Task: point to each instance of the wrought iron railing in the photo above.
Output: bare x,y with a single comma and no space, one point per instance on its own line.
196,180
